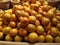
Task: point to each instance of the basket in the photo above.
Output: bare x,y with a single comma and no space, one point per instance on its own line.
25,43
14,3
4,4
53,2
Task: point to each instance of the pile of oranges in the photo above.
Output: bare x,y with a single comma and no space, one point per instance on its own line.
32,21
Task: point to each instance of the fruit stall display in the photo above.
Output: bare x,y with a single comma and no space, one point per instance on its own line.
32,21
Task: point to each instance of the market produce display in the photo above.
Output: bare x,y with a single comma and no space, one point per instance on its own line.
33,21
